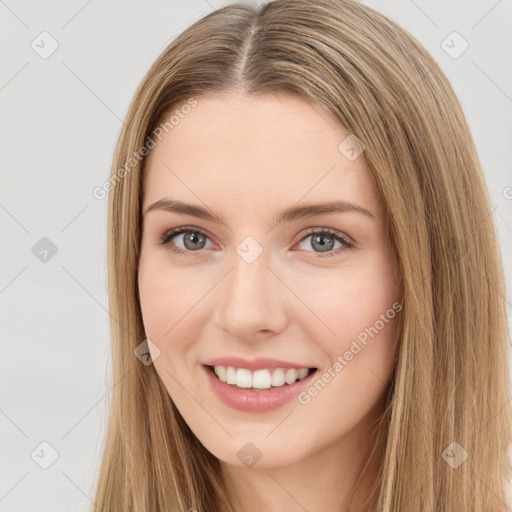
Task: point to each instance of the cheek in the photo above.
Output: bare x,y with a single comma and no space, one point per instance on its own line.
167,297
363,313
154,301
173,307
342,303
362,355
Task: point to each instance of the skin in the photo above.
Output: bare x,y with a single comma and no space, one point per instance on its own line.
248,158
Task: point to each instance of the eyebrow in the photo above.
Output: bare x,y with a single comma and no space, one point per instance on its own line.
288,215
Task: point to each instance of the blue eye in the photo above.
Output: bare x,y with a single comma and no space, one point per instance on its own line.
320,239
194,240
192,237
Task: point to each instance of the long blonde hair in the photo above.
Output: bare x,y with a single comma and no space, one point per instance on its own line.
451,381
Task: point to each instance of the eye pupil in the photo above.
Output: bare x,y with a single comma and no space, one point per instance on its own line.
323,245
194,238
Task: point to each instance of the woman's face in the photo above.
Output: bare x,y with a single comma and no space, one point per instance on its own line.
280,283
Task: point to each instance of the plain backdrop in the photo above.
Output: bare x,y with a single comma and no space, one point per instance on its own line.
60,118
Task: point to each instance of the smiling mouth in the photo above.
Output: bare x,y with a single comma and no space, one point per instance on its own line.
259,380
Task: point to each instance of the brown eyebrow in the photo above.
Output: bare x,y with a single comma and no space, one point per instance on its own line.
290,214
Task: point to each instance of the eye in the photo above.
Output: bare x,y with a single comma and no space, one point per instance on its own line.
324,240
193,240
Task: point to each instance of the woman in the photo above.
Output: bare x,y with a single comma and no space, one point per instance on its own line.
304,276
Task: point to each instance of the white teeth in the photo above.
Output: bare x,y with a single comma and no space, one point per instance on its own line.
259,379
291,376
231,375
243,378
221,372
278,377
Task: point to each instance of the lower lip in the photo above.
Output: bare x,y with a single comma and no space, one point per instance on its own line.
255,401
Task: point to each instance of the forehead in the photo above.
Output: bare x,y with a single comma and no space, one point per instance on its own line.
256,150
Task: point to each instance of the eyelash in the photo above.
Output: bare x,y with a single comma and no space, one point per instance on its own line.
167,237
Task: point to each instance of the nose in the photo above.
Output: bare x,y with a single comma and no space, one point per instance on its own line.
254,301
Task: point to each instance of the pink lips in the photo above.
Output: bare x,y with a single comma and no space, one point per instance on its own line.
254,364
250,400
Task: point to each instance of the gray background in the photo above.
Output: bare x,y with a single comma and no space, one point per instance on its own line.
60,119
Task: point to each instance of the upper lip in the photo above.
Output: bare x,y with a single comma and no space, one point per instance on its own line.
254,364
